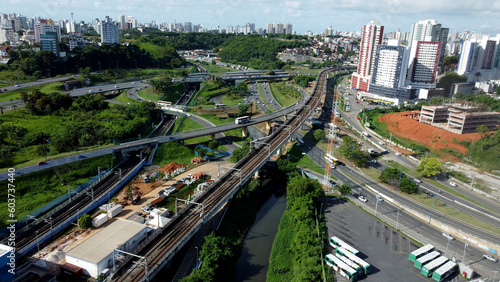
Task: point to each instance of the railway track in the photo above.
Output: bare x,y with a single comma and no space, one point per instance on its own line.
187,220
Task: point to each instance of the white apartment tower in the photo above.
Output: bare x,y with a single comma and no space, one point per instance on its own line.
428,30
423,67
109,31
372,35
123,23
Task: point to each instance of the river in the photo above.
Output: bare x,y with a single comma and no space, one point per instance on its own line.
254,260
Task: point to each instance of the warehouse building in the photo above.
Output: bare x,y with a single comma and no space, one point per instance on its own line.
95,254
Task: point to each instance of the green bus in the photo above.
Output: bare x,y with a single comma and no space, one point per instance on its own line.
341,267
425,259
421,251
366,266
352,264
445,271
428,269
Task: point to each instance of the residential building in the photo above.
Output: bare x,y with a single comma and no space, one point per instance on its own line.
389,72
423,67
49,42
480,59
372,35
428,30
109,31
123,23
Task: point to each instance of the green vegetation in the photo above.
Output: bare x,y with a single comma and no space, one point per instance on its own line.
124,98
210,90
303,80
429,167
286,95
173,152
68,125
297,249
255,51
395,177
447,81
149,94
240,153
85,221
344,189
48,88
296,157
352,150
183,41
36,189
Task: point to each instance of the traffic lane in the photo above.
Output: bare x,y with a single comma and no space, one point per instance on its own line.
459,225
383,248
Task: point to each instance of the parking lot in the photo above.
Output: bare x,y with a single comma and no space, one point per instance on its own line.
379,245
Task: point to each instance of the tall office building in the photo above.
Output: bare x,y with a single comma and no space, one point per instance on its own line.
188,27
480,56
372,35
109,31
389,72
43,28
428,30
49,42
423,67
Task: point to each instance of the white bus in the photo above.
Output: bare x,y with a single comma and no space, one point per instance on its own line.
352,264
366,266
242,120
421,251
425,259
445,271
428,269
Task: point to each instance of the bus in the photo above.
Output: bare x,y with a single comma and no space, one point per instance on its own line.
425,259
445,271
218,106
341,267
429,268
331,159
421,251
336,242
352,264
366,266
242,120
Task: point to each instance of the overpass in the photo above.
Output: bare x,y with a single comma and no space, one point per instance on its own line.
229,76
162,245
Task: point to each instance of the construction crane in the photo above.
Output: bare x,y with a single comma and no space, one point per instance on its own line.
330,161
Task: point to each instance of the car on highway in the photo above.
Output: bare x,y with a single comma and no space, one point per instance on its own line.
490,257
41,163
17,85
397,154
418,181
380,199
362,199
453,184
448,236
5,90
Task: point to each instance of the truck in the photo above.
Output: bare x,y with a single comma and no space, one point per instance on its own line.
99,220
112,212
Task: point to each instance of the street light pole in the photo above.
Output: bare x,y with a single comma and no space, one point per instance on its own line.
465,246
447,246
495,276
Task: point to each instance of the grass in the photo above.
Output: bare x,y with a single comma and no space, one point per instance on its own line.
148,94
217,121
125,99
49,88
280,259
231,102
173,152
295,156
286,95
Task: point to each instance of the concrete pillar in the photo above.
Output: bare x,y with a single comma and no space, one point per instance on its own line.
268,127
256,175
244,132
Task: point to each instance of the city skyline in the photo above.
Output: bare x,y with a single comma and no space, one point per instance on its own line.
479,16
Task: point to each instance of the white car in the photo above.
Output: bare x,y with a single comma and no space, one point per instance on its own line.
362,199
397,154
490,257
380,199
448,236
417,180
453,184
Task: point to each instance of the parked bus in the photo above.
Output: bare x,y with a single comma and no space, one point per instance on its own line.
336,242
366,266
421,251
242,120
352,264
218,106
331,159
445,271
426,259
428,269
341,267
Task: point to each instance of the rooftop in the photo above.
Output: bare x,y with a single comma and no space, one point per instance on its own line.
99,246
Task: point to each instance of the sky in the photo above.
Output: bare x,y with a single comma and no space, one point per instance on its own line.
481,16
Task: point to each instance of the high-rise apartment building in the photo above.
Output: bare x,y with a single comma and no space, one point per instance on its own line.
372,35
428,30
123,23
423,67
480,58
389,72
109,31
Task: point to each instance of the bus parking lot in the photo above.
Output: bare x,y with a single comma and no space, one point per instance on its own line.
380,245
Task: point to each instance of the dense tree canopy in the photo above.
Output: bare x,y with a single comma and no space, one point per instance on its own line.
447,81
429,167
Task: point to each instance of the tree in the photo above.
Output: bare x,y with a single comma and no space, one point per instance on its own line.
390,176
497,90
408,186
319,134
242,109
201,152
429,167
85,221
447,81
213,145
345,189
483,130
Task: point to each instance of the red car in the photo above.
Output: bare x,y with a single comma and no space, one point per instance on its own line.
41,163
5,90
